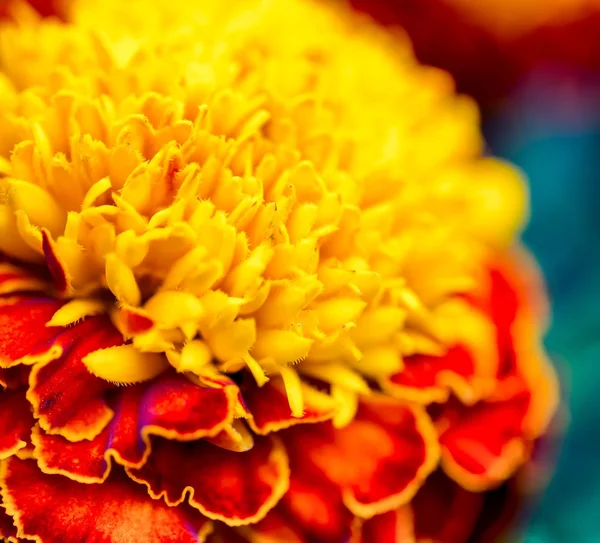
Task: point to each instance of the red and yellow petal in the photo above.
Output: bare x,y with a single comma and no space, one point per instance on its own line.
24,336
426,379
8,531
235,488
483,445
54,509
379,460
67,399
171,407
271,411
16,421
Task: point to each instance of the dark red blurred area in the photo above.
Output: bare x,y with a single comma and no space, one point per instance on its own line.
43,7
483,64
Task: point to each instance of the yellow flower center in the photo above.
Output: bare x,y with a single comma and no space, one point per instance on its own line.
276,186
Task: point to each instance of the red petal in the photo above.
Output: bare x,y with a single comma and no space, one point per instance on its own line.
171,407
274,528
58,510
443,511
24,336
426,379
271,411
483,445
16,422
15,377
391,527
379,460
67,399
236,488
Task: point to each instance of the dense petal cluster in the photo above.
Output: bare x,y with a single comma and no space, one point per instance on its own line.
488,46
257,282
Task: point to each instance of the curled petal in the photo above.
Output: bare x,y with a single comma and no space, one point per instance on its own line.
271,410
54,509
67,399
379,461
235,488
171,407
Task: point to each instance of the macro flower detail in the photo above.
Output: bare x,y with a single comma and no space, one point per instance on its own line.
256,283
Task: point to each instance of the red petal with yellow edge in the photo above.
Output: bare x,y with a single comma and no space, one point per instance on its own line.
24,336
170,407
271,411
236,488
66,398
443,511
54,509
379,460
483,445
58,270
426,379
14,378
391,527
16,422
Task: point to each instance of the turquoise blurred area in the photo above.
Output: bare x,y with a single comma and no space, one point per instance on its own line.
551,129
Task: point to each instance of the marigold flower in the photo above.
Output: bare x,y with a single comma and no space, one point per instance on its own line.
258,282
488,46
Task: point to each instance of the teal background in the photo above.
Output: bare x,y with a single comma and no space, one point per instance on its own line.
551,129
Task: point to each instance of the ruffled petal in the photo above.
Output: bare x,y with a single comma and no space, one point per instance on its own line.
54,509
271,411
236,488
444,511
171,407
16,422
24,336
66,398
379,461
426,379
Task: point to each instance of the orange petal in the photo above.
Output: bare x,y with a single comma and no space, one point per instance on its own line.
54,509
391,527
171,407
235,488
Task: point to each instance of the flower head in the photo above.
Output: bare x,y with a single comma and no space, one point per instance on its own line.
287,246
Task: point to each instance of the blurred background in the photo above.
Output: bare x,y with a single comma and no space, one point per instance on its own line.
534,68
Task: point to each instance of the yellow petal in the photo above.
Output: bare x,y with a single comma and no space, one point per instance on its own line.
75,310
293,389
125,364
121,281
283,346
171,309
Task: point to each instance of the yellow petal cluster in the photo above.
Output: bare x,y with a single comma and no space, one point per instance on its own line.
255,185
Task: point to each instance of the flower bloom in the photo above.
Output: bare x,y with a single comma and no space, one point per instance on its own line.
257,283
488,46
